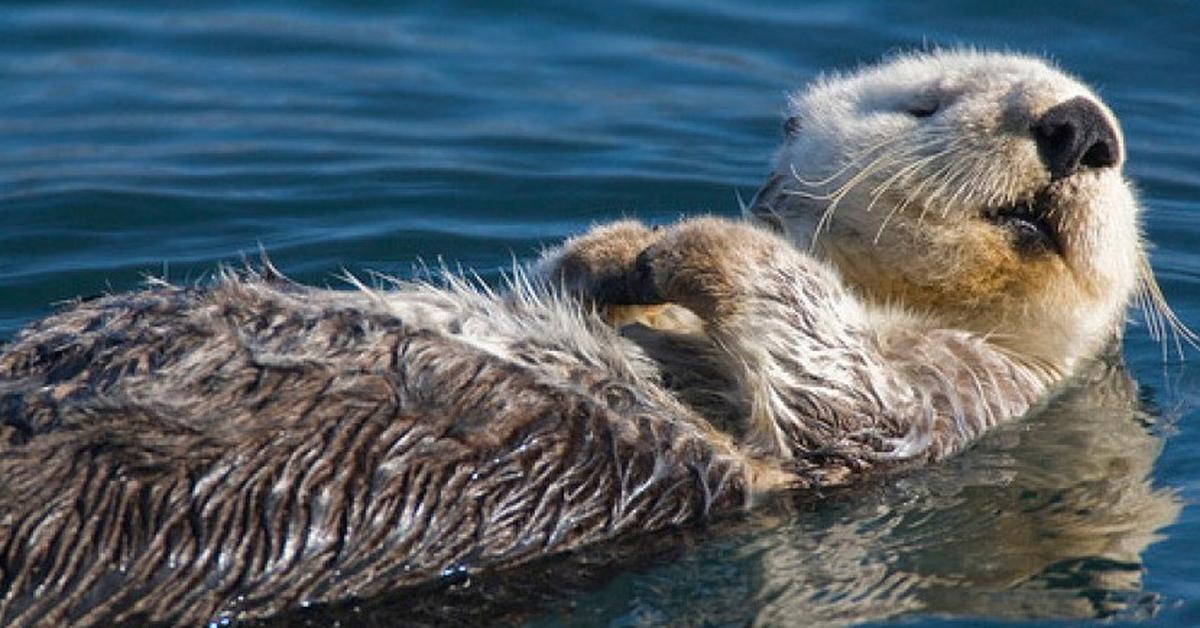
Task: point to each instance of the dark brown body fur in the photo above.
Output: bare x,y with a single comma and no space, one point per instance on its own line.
178,455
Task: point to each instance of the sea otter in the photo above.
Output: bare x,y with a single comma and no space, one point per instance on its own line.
944,239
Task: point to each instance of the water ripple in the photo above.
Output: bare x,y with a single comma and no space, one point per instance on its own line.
365,135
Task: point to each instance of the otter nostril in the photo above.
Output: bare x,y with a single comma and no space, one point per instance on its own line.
1100,155
1075,134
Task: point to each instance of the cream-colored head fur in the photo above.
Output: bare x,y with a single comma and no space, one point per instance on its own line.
907,176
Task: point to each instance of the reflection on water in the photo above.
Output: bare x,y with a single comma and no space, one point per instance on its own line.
1045,518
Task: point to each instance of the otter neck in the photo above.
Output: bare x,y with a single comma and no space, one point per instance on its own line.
1040,327
1049,357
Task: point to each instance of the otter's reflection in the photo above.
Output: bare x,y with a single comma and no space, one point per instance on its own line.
1044,518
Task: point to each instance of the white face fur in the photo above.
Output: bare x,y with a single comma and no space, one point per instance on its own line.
946,185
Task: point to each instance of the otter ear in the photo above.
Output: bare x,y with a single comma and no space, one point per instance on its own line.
791,126
760,209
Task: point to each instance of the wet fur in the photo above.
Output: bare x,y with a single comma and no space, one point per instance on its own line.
824,377
180,454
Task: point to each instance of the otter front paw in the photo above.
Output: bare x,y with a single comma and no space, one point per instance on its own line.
707,265
600,264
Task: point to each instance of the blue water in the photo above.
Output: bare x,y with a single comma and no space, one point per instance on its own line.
137,139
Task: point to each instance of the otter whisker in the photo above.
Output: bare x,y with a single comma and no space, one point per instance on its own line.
958,167
895,210
843,187
826,217
904,174
879,164
854,159
912,195
886,145
1153,319
967,179
1167,319
940,179
972,179
945,176
1001,190
972,172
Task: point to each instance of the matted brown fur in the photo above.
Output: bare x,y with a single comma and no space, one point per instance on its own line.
177,455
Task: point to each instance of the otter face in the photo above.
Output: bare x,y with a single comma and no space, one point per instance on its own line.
981,190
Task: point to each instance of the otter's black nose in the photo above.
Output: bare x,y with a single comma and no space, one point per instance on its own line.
1075,134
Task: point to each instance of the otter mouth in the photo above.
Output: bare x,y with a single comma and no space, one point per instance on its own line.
1028,225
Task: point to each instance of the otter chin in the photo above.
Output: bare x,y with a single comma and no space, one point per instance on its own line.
944,239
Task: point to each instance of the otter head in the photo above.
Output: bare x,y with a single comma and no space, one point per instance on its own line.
979,190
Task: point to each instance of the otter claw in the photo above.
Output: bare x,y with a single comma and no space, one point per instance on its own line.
642,284
636,286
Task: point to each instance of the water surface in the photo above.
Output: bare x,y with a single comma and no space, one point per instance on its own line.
137,139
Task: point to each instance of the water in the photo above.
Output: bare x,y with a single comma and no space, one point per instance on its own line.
136,139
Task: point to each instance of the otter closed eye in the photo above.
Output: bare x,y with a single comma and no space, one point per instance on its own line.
924,110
